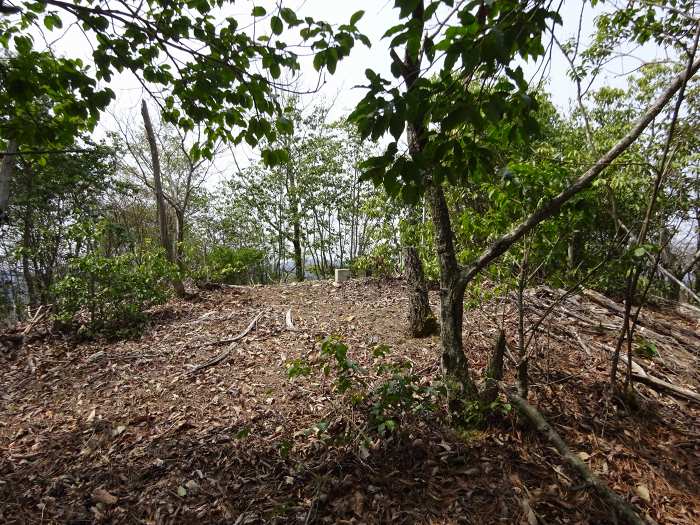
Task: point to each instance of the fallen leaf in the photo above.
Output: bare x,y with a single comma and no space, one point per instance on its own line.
181,491
358,502
584,456
102,496
643,492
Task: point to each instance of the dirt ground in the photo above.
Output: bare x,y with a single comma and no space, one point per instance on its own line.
100,432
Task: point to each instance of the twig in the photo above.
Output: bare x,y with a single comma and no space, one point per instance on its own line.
222,356
238,337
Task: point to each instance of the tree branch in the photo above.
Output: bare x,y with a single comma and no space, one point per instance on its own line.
551,208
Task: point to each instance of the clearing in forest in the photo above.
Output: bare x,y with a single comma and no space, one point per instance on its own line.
141,431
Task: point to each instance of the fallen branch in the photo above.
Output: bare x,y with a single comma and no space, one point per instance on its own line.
622,508
222,356
664,386
683,335
212,362
238,337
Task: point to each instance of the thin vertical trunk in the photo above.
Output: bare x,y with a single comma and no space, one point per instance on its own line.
7,168
420,318
160,198
180,238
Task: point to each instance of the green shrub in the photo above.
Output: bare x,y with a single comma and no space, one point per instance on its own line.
234,265
111,294
380,262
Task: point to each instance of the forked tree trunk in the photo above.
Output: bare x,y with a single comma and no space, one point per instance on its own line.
454,363
160,198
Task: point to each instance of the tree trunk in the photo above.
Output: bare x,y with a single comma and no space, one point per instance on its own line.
180,238
454,363
7,168
298,258
160,199
421,321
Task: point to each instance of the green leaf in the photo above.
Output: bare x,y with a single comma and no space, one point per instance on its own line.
397,125
289,16
355,18
276,25
52,21
319,60
259,11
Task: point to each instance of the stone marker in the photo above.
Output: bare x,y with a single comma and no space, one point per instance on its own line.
342,275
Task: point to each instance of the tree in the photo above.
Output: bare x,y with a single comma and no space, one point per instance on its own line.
477,103
160,199
181,176
55,198
204,63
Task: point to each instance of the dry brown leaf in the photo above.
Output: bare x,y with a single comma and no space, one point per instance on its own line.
102,496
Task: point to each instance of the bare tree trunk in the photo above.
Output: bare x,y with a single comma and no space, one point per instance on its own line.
454,363
298,258
7,168
160,199
180,238
421,321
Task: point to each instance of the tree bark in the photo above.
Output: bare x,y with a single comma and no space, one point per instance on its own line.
160,198
180,238
421,322
454,363
7,168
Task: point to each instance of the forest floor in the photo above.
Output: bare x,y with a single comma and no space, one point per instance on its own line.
124,432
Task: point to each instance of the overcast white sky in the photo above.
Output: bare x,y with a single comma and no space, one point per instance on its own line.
379,16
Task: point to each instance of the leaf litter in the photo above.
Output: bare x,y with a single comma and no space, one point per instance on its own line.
122,432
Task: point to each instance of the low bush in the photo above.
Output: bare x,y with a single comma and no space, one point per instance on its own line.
233,266
109,295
